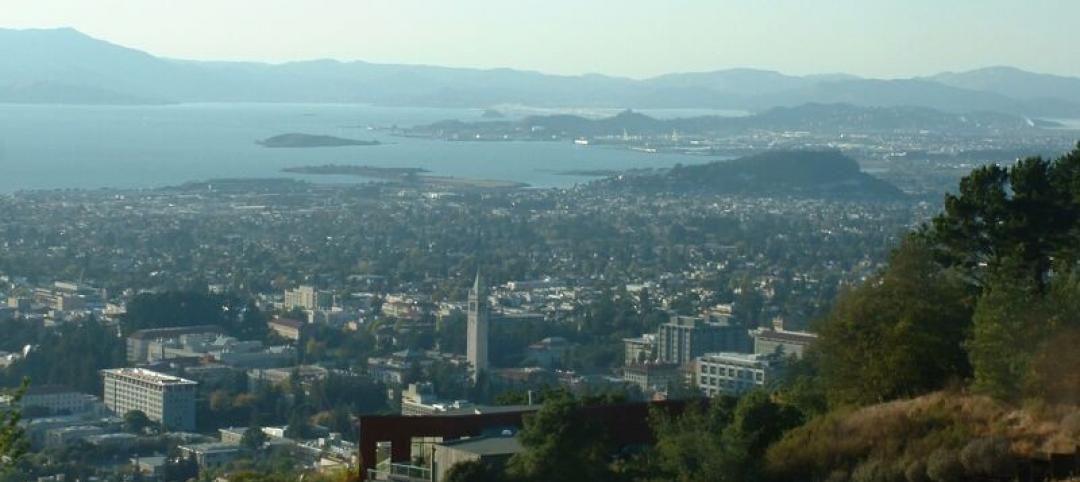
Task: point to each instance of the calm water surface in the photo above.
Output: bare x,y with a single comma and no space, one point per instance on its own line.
48,147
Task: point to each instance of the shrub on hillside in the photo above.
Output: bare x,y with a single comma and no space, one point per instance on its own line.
944,466
988,457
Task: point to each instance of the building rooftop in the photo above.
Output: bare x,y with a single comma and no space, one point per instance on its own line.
487,410
646,338
48,389
289,322
739,357
148,376
174,331
651,367
152,461
107,438
486,445
210,448
784,335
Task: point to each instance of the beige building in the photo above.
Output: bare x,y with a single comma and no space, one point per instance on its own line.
639,350
777,340
306,297
652,376
287,328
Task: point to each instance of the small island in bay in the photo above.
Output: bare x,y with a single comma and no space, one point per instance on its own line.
294,140
414,176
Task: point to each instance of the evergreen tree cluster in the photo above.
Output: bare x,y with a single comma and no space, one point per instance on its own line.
986,293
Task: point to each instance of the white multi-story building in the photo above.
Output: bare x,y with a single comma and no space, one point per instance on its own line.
734,373
163,398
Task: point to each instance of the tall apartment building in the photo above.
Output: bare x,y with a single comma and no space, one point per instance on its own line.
163,398
307,297
684,338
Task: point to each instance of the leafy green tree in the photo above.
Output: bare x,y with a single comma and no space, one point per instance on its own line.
724,440
299,427
254,438
690,447
801,386
561,444
72,354
759,421
512,397
899,334
1018,346
1028,212
136,422
474,471
238,317
338,420
12,441
1009,321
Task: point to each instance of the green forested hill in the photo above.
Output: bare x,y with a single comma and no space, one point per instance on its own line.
816,174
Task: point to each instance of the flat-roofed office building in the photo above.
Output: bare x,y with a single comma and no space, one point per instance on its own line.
165,399
735,373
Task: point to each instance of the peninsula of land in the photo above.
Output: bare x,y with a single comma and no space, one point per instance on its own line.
414,176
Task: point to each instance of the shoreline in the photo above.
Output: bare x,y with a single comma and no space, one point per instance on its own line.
406,176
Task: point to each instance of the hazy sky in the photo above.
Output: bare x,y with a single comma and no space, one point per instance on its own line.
883,38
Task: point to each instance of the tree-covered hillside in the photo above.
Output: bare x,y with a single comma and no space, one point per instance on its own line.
803,174
983,303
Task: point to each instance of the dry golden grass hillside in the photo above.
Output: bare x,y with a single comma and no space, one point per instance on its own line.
936,436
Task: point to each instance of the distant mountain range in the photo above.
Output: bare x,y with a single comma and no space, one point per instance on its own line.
66,66
800,174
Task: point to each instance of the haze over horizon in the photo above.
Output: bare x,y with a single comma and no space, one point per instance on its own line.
886,40
539,240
